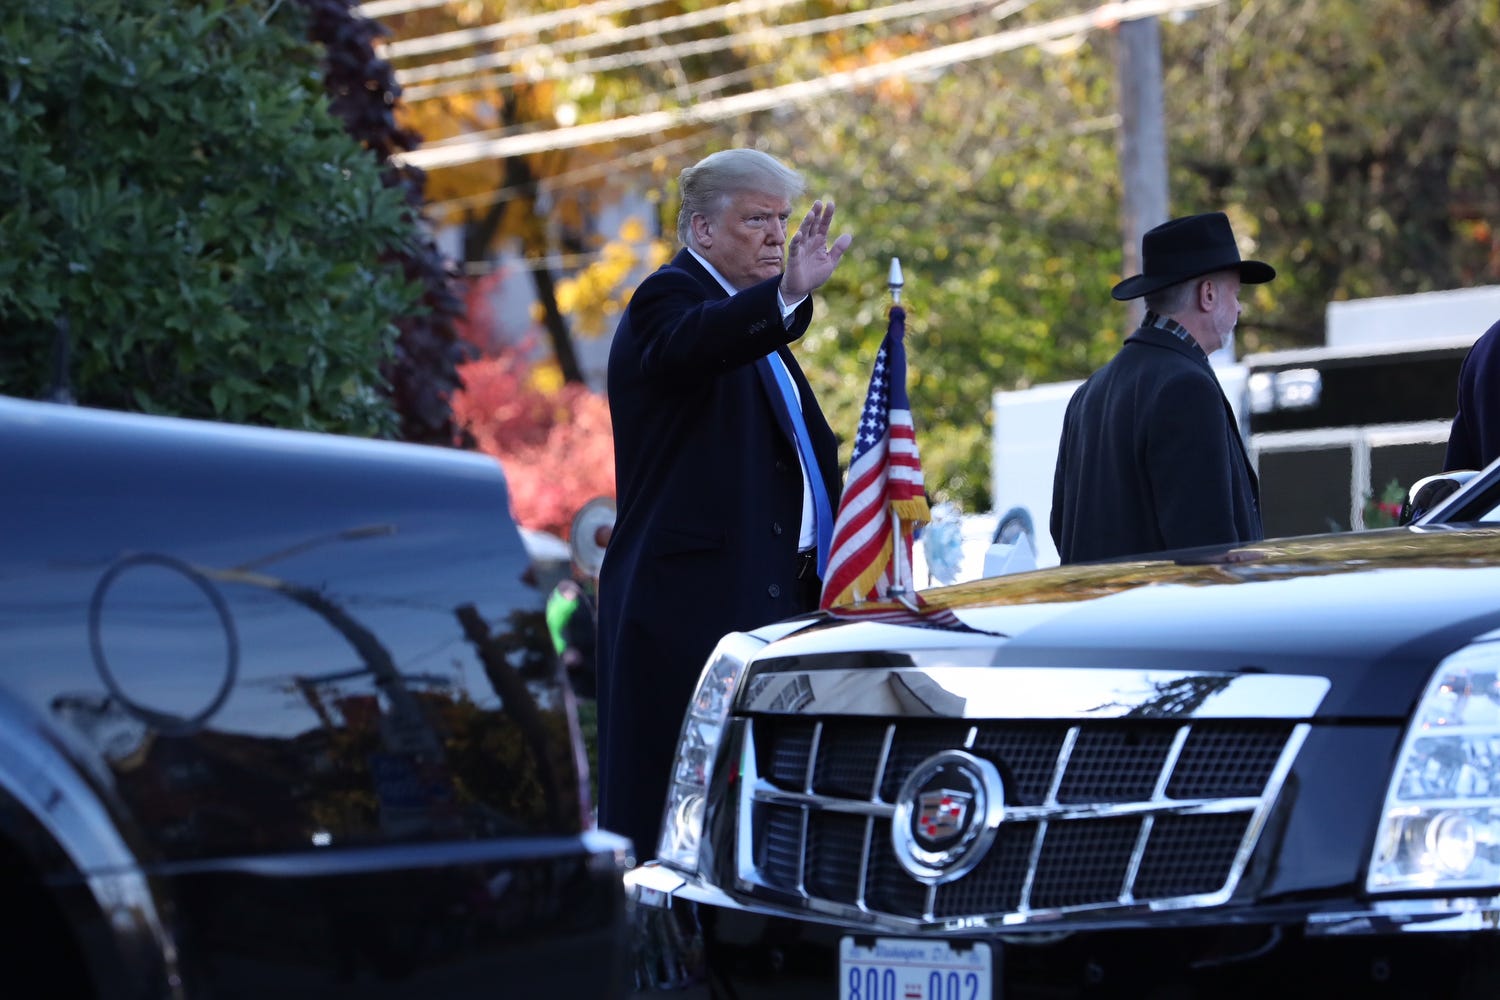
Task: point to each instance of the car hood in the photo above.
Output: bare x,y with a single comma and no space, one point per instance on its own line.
1371,611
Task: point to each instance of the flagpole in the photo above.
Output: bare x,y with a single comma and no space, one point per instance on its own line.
900,572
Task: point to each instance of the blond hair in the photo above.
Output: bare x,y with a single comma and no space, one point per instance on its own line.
707,185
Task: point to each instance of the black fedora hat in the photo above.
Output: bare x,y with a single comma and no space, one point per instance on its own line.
1186,248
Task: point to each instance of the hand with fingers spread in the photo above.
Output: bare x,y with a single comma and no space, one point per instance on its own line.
810,260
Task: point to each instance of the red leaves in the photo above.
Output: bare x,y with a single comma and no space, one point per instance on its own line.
556,446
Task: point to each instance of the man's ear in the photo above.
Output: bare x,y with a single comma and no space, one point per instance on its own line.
1208,294
702,230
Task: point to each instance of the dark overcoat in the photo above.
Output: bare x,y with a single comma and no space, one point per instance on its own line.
708,507
1151,457
1474,440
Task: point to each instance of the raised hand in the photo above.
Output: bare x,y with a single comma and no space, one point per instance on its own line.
810,260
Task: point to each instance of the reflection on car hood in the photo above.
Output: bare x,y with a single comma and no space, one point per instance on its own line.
1335,605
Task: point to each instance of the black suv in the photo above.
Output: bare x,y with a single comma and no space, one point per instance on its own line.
1258,771
279,717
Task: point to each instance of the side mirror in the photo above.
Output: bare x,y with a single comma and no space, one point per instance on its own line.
1429,491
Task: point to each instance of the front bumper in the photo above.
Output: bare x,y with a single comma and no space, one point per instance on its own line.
694,940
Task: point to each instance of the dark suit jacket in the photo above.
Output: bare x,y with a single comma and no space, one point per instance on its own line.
1151,458
708,506
1474,440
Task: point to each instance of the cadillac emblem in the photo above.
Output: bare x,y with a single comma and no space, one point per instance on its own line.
947,813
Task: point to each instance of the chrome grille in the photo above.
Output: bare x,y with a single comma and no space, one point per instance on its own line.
1099,813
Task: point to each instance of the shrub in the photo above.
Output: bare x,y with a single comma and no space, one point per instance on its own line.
177,193
423,371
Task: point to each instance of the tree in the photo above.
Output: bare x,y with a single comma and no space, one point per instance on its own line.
422,372
548,205
532,411
1353,141
1350,141
178,195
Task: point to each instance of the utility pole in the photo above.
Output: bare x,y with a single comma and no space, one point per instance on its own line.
1143,143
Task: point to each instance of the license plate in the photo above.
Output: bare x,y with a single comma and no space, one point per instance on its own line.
906,969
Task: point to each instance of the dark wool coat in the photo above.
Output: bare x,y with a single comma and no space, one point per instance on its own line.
1151,458
1474,440
708,508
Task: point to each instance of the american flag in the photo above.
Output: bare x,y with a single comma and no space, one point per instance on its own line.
885,478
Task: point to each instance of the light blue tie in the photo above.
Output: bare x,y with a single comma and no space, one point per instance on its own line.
822,510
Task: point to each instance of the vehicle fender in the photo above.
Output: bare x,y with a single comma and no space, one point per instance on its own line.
62,828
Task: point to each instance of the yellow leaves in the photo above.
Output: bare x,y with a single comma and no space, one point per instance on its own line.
596,294
633,230
1315,143
570,291
546,378
434,120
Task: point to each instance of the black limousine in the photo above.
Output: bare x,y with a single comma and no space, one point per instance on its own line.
279,717
1259,771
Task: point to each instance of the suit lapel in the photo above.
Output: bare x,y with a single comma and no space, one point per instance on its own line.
685,261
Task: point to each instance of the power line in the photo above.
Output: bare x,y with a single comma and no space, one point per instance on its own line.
551,262
534,23
700,89
796,93
492,32
567,178
580,175
376,9
624,60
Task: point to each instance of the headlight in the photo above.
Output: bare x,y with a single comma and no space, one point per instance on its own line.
1441,825
702,730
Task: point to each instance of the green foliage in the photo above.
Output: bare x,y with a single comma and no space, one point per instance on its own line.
1352,142
422,371
177,192
1003,215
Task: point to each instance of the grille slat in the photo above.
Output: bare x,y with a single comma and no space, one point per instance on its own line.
1083,863
994,886
1189,855
1228,760
848,756
1026,756
787,752
888,888
1115,764
1142,810
779,848
835,847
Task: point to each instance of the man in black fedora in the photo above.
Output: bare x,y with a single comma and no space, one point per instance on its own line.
1151,456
